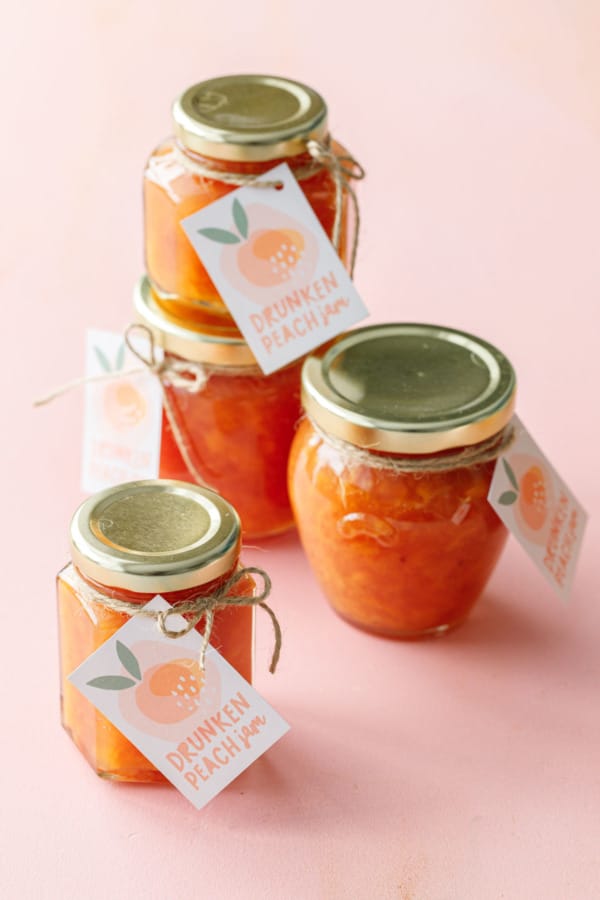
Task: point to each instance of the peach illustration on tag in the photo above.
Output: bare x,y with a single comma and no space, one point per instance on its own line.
164,695
531,496
269,250
122,404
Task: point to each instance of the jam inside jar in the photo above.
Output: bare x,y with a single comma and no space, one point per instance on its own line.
195,537
390,472
228,130
248,416
236,426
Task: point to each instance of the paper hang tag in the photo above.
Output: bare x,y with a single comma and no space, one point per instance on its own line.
123,416
275,268
201,730
539,509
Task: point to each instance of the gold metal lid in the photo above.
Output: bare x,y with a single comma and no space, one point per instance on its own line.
249,117
409,388
155,536
175,337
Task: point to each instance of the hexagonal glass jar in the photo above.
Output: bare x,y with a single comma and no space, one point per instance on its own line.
132,542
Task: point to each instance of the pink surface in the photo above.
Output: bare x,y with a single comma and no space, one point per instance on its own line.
463,768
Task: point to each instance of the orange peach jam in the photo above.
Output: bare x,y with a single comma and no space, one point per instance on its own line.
389,474
396,553
235,423
238,431
227,129
110,536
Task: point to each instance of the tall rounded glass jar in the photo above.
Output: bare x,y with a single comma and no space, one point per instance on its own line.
132,542
390,470
227,130
227,423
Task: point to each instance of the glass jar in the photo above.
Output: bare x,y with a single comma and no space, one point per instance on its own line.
236,423
225,129
390,472
132,542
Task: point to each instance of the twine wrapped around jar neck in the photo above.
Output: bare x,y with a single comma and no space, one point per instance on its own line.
194,609
343,169
424,464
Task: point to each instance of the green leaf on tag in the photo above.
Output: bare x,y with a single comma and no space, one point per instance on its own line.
511,475
120,360
111,682
102,359
129,661
219,235
240,218
507,498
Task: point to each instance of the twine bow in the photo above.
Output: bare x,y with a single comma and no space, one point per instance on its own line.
202,606
178,373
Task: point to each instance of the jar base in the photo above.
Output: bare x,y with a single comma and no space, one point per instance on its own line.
144,776
425,634
148,778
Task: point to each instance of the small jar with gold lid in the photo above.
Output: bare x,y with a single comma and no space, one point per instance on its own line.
130,543
225,423
390,472
228,131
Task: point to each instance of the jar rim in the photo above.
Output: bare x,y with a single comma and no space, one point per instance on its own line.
249,117
409,388
155,536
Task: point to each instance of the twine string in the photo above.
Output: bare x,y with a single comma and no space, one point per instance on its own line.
176,373
85,379
425,464
196,608
188,376
343,169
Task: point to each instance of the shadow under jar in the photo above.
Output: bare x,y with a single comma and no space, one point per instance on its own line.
132,542
228,130
390,470
235,423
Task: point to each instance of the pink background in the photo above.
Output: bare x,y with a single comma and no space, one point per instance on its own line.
464,768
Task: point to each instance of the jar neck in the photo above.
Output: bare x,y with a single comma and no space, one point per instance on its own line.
484,452
249,167
172,597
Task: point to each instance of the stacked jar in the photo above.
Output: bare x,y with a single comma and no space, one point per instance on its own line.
228,425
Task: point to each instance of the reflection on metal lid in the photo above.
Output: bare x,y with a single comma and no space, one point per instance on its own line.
152,536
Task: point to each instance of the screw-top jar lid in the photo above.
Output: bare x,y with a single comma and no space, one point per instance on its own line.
155,536
409,389
170,333
249,117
